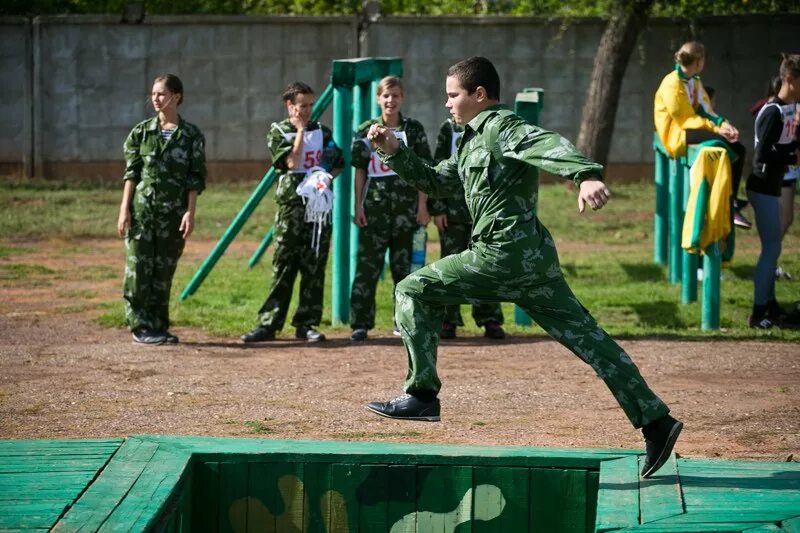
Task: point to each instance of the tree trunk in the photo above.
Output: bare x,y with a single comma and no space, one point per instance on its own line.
602,97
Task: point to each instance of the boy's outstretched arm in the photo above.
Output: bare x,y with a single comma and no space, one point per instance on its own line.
438,182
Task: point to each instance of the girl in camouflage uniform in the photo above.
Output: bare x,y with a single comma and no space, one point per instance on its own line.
387,210
165,171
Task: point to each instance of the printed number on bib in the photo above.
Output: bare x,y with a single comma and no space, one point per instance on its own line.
378,168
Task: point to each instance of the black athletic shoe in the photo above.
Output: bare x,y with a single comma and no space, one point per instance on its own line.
659,439
448,331
169,338
308,334
494,330
763,322
358,335
407,407
148,336
260,334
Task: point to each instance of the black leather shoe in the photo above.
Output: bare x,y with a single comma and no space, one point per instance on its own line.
448,331
659,439
407,407
260,334
148,336
358,335
169,338
494,330
308,334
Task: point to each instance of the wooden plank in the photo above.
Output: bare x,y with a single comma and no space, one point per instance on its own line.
558,500
660,496
792,525
373,498
667,527
31,514
444,498
233,488
205,482
401,506
618,494
103,496
512,500
344,503
276,497
766,528
592,488
317,480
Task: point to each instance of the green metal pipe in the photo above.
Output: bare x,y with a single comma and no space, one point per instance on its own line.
675,220
661,215
690,261
265,242
342,203
241,217
712,263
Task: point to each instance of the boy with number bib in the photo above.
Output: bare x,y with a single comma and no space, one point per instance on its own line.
511,257
297,147
388,210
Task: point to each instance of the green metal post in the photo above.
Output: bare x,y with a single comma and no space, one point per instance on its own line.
265,242
711,290
675,220
689,261
362,111
528,105
661,215
342,204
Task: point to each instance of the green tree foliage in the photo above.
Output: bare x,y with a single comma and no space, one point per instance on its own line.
543,8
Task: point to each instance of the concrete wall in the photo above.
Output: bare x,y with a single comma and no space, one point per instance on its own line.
72,87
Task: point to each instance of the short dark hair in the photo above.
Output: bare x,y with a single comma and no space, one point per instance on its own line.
295,88
173,83
477,72
790,65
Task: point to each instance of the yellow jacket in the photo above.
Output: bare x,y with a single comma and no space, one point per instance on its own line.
673,113
708,210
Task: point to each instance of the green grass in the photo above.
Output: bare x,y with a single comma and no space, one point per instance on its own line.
606,257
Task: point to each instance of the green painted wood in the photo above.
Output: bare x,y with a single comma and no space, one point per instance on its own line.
618,495
791,525
514,498
344,504
276,497
233,491
205,482
558,500
373,498
660,496
445,498
317,479
766,528
722,527
35,514
402,481
592,488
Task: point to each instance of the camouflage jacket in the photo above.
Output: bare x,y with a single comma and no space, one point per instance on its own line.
495,166
280,141
164,172
456,207
415,135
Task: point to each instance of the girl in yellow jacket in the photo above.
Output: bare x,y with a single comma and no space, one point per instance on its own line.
683,115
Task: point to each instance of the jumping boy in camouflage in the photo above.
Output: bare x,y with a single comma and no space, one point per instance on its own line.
297,146
512,256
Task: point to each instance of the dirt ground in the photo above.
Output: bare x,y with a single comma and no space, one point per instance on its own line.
63,376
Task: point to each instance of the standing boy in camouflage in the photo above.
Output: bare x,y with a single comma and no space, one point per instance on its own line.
297,146
512,256
452,219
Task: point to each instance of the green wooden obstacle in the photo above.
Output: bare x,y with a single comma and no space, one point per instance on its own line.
181,484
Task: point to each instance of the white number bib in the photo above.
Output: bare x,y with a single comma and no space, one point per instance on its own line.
312,148
377,168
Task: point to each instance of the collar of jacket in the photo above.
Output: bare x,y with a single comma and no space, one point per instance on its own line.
402,121
152,125
683,76
476,124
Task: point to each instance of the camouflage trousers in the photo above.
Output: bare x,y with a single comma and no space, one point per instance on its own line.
294,254
527,273
391,210
150,262
453,240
